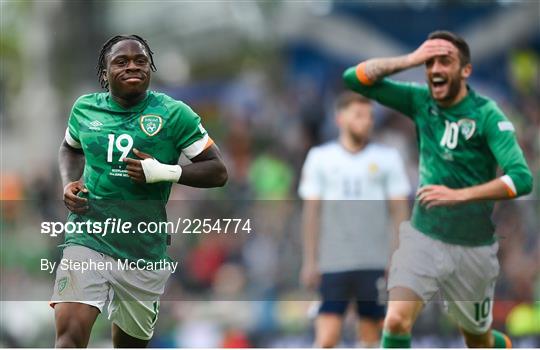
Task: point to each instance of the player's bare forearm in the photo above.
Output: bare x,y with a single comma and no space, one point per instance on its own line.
493,190
310,230
207,170
378,68
439,195
71,163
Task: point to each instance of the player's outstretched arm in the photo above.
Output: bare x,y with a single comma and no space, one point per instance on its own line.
377,68
71,163
207,169
439,195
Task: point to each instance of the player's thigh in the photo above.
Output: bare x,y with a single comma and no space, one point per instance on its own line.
73,284
335,291
336,286
412,265
469,293
370,290
134,305
78,297
370,305
74,322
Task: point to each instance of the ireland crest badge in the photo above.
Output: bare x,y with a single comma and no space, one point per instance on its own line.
62,284
151,124
467,128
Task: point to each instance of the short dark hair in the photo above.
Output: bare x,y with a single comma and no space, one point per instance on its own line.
347,98
457,41
102,64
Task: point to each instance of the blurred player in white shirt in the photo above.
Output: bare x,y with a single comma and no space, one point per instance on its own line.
354,194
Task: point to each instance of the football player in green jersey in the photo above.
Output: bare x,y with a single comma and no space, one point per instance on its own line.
449,245
124,144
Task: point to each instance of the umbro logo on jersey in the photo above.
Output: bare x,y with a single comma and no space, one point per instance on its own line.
95,125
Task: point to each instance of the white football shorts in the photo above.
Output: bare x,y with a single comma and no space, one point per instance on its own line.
132,295
464,275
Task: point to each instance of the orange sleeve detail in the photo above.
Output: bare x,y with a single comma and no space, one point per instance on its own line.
361,74
509,191
507,342
209,143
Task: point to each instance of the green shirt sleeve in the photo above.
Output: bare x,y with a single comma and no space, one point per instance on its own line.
192,137
401,96
501,139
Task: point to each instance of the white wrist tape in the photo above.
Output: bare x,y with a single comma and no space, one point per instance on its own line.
155,171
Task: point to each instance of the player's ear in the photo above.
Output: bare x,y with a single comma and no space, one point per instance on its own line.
466,71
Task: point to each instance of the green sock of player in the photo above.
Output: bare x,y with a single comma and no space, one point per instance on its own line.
390,340
500,340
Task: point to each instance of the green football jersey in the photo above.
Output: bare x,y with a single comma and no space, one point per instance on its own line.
459,146
106,132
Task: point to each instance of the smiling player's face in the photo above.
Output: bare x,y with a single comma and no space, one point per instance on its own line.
446,77
128,69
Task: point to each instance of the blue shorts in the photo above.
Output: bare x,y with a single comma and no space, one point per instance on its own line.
366,287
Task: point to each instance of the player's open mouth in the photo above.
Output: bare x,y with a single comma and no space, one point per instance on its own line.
438,84
438,81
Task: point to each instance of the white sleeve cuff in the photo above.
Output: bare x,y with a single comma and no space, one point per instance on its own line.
509,185
196,147
71,141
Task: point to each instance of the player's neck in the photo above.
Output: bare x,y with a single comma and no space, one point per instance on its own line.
128,102
350,145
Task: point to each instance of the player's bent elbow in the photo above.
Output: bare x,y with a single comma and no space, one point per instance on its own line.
528,184
222,176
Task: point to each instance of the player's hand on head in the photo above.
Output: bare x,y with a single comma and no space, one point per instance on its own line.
310,276
429,49
438,195
72,200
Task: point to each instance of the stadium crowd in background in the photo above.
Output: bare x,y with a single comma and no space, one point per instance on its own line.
245,292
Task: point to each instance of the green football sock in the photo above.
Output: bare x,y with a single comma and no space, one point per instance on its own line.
390,340
500,340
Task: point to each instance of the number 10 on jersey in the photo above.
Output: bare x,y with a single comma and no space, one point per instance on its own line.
450,136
